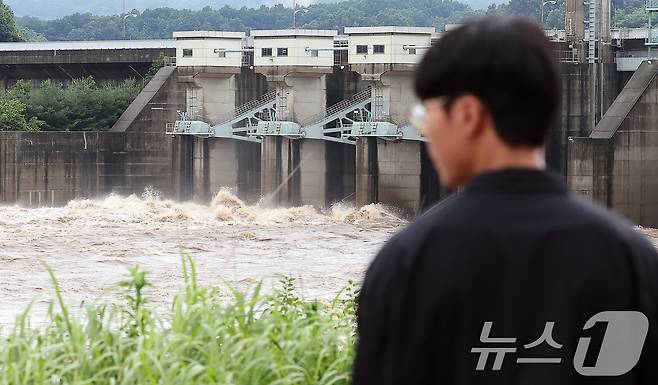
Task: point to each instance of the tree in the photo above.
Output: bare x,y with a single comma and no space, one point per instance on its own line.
161,22
158,63
8,29
12,117
31,35
82,106
553,13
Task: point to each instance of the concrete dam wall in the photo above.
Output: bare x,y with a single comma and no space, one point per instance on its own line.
617,163
51,168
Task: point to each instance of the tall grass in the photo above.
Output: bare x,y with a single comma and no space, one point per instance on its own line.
254,339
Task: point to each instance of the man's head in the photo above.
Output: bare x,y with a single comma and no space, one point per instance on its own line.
491,90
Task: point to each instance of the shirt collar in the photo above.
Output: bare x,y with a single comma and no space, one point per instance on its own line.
523,181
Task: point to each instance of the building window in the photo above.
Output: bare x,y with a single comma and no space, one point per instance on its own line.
187,52
362,49
220,52
377,49
282,52
314,53
266,52
412,51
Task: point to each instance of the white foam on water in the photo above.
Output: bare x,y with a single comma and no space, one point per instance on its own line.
90,243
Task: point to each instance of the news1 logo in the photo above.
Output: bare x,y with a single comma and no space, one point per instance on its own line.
622,343
619,352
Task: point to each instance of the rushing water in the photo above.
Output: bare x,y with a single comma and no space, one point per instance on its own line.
91,243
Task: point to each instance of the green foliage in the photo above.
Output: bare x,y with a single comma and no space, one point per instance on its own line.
630,14
626,13
82,106
31,35
12,117
8,29
161,22
553,13
158,63
253,339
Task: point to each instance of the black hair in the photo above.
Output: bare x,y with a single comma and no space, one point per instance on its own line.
508,63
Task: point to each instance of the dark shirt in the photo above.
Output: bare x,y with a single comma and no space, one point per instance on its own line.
515,249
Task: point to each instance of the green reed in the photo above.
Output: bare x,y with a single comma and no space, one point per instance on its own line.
253,339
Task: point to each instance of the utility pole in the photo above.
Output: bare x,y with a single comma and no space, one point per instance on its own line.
543,3
294,13
123,17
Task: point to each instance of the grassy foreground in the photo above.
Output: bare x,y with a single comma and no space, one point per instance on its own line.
255,339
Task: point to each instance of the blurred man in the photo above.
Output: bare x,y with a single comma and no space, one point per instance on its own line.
514,280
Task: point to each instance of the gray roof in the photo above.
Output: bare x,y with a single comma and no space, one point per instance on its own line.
265,33
389,29
87,45
212,34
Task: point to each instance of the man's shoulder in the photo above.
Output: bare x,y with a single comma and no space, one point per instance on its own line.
435,222
464,216
600,218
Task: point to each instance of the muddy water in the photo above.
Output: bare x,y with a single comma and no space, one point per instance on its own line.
90,244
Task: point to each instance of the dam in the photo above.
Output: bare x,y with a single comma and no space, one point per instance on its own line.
313,117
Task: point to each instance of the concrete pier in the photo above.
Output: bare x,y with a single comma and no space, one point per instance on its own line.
396,173
226,163
291,161
297,171
306,172
279,157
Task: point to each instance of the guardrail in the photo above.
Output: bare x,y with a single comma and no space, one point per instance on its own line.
652,37
357,98
567,56
263,100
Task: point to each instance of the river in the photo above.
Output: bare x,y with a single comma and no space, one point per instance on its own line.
90,244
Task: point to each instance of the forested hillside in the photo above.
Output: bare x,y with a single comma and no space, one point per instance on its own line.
8,29
161,22
51,9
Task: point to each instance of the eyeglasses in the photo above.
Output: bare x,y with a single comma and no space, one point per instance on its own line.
418,115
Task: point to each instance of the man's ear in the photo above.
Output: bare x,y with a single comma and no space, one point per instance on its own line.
472,114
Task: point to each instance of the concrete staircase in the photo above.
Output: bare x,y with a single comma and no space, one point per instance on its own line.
141,102
626,100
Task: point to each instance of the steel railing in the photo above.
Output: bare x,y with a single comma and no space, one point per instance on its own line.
342,105
652,36
567,56
263,100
